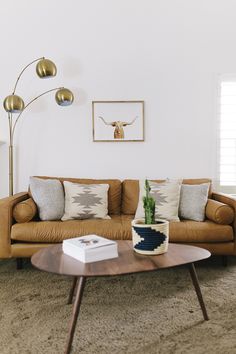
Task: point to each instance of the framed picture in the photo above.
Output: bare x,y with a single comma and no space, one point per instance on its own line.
118,121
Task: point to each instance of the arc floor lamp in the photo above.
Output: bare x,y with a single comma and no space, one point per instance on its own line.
45,68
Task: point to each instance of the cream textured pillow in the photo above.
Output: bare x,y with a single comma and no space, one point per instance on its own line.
85,201
166,195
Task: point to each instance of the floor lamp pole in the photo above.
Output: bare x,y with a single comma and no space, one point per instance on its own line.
10,170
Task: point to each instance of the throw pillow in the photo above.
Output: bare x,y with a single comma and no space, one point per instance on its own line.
49,197
25,211
193,200
85,201
220,213
166,195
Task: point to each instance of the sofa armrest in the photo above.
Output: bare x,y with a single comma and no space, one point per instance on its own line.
6,221
224,198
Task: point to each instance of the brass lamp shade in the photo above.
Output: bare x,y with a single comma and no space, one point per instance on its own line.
13,104
46,68
64,97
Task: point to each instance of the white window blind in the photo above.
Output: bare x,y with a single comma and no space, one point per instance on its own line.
227,135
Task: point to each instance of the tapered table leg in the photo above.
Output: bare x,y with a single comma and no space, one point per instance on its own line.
75,313
195,281
72,290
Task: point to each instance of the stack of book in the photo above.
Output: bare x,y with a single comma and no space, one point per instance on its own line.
90,248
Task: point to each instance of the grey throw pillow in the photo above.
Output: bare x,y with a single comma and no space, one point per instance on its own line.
48,194
193,200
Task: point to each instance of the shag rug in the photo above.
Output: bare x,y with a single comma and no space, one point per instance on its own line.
154,313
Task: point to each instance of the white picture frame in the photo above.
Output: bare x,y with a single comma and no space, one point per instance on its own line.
118,121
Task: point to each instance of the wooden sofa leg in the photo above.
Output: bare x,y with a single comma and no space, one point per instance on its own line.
19,263
224,261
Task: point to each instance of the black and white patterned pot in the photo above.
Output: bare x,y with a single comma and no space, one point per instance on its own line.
150,239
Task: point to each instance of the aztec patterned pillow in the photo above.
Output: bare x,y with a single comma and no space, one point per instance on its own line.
85,201
166,195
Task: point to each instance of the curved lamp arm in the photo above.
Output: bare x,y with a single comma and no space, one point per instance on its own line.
45,68
18,78
29,103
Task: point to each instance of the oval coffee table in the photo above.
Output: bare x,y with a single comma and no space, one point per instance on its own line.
52,259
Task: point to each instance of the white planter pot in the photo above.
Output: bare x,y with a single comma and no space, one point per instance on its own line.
150,239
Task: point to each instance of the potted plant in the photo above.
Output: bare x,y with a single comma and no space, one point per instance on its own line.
150,236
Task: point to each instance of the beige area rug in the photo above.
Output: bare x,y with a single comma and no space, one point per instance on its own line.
149,313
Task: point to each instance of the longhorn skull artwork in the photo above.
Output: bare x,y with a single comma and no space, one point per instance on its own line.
119,131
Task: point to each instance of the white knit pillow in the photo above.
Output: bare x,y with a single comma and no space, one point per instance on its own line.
85,201
166,195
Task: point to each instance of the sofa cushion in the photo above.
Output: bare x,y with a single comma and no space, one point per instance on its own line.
199,231
219,212
118,227
114,192
130,192
85,201
25,211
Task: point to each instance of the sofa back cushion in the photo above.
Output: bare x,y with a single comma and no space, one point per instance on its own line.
114,192
130,192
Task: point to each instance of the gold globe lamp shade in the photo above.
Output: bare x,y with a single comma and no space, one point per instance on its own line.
13,104
64,97
46,68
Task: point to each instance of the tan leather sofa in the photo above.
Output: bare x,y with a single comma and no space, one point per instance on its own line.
22,239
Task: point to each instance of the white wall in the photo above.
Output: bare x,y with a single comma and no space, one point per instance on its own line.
166,52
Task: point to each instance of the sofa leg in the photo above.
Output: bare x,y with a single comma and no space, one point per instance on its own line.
224,261
19,263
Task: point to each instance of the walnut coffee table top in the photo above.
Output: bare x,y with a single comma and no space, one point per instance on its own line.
52,259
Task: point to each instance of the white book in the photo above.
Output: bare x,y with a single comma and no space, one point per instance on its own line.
90,248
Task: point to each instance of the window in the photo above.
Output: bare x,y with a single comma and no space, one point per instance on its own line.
227,134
